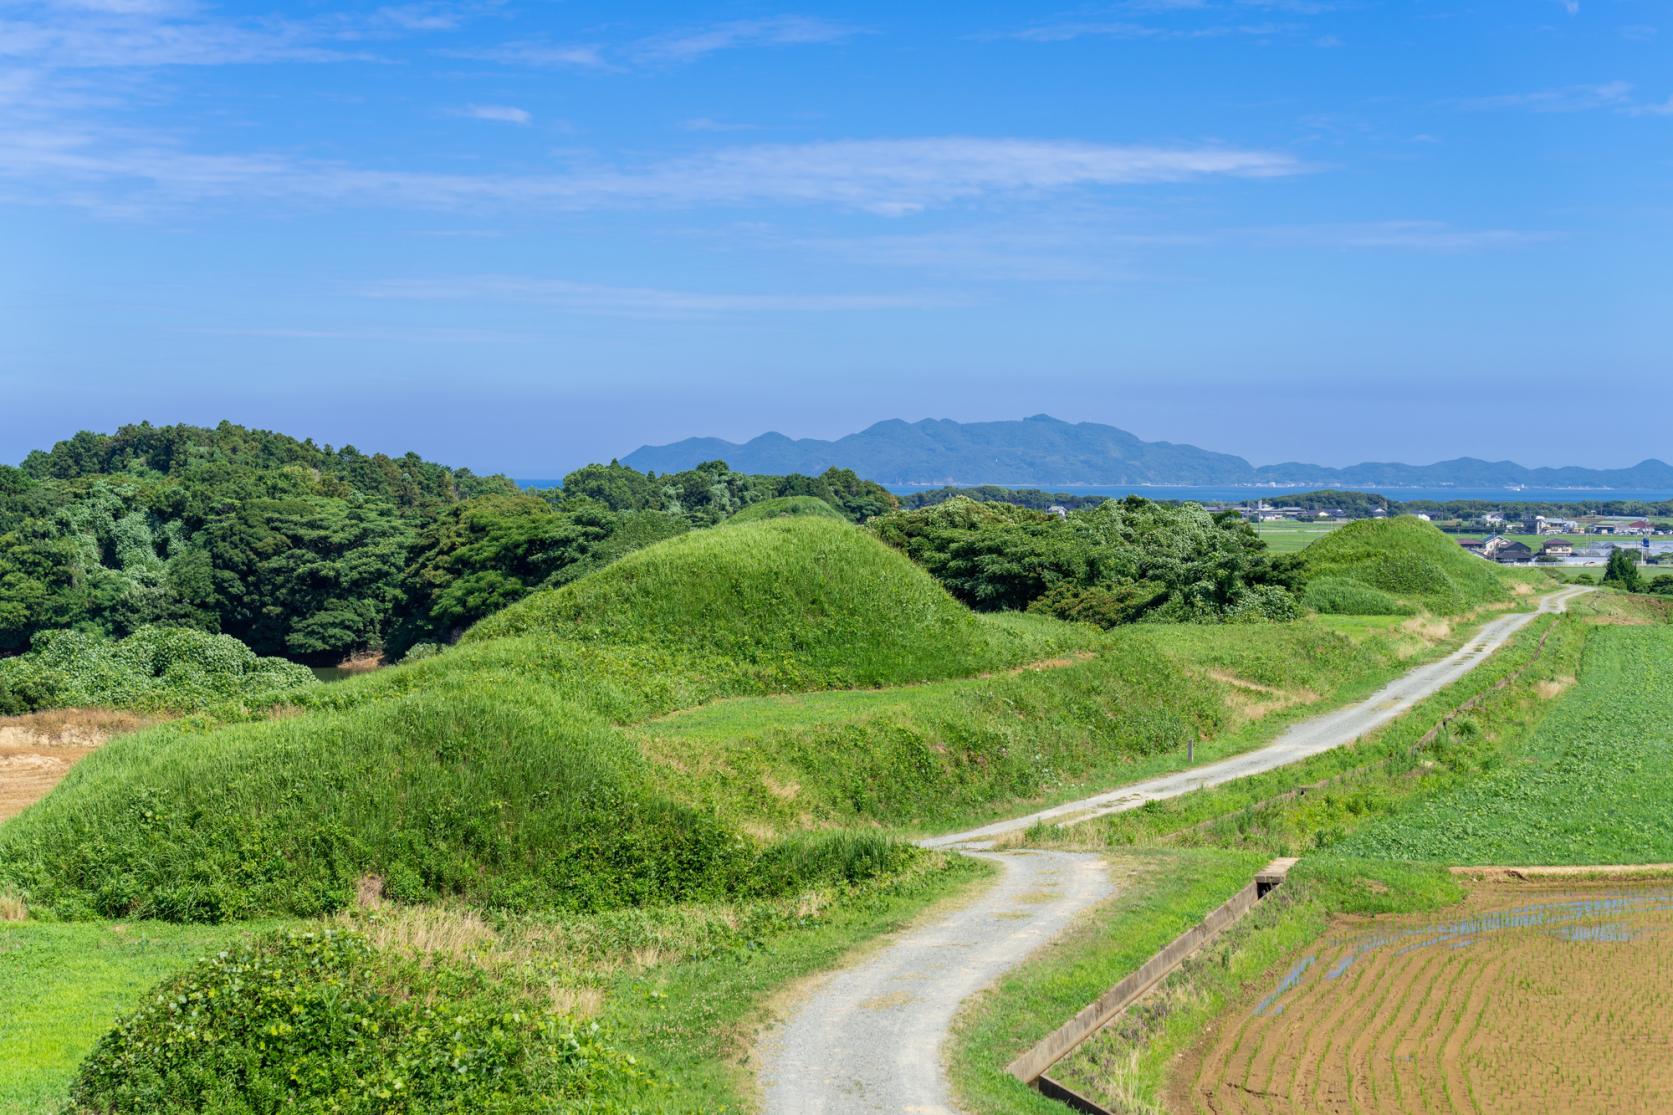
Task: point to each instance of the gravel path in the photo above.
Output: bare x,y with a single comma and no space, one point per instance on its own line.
868,1039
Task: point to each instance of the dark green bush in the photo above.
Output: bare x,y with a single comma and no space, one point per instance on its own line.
323,1022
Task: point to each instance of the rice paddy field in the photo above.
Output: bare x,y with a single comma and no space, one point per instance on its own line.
1552,997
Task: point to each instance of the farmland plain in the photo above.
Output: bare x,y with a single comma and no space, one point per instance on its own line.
1527,997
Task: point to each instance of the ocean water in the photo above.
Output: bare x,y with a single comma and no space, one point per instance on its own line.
1236,493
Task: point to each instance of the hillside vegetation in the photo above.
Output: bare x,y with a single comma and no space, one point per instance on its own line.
786,507
810,601
1395,567
459,775
172,669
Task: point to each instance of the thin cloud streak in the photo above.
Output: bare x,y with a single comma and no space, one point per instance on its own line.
1569,98
1416,235
625,301
686,46
884,177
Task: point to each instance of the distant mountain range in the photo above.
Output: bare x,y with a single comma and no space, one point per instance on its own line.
1045,451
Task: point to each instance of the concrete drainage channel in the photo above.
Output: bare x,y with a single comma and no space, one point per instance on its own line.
1032,1066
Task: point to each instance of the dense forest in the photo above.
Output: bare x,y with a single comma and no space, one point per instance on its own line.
314,553
1115,562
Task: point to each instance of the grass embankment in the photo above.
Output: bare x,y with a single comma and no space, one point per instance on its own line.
947,754
455,779
496,775
1400,566
459,775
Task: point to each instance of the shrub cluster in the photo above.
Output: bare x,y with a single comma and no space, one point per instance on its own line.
323,1022
155,668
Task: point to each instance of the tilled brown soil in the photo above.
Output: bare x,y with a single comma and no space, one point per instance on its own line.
38,750
1532,997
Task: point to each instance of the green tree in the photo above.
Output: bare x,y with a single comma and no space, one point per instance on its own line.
1622,571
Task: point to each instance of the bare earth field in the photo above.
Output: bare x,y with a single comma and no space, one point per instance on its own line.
37,750
1551,996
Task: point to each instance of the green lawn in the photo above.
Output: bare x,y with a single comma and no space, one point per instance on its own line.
63,984
1288,538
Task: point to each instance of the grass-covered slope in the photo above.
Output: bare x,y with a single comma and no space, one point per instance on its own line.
787,507
813,601
1396,566
496,772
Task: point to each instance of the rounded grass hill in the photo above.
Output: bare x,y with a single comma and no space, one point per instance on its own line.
813,601
497,772
1396,567
786,507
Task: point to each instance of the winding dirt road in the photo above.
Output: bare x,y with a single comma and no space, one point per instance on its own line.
868,1039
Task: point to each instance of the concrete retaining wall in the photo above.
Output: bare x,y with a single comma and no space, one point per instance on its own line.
1061,1042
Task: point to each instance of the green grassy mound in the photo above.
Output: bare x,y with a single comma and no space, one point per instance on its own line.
821,602
498,773
1339,596
325,1022
787,507
1398,563
470,780
171,668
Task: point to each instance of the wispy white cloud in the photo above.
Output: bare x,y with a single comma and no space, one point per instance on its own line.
709,124
889,177
1129,29
1417,235
1663,108
787,30
687,45
1568,98
118,34
403,335
628,301
538,54
1180,19
499,114
1614,96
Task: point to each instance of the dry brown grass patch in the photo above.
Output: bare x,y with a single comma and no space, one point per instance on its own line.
425,931
783,790
13,908
1427,628
1553,687
69,727
576,1002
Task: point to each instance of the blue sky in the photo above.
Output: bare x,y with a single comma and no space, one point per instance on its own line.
521,236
